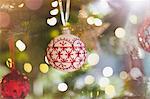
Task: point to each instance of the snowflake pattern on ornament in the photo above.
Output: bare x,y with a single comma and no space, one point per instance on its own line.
144,35
66,53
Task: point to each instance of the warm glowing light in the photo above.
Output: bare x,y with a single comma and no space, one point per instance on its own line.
107,71
110,90
11,6
98,22
54,11
120,32
44,68
54,33
27,67
89,79
93,59
135,73
46,60
90,20
20,45
21,5
62,87
103,82
133,19
54,4
51,21
9,62
123,75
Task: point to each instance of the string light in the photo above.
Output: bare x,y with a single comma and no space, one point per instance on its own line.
103,82
54,4
89,79
120,32
54,11
21,5
54,33
123,75
98,22
110,90
51,21
46,60
107,71
44,68
9,62
93,59
90,20
135,73
20,45
62,87
28,67
133,19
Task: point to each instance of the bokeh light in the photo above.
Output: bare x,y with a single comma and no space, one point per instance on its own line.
103,82
21,5
46,60
54,33
90,20
93,59
123,75
107,71
89,79
33,4
44,68
11,6
20,45
27,67
4,19
110,90
62,87
9,62
51,21
98,22
133,19
120,32
135,73
54,4
54,11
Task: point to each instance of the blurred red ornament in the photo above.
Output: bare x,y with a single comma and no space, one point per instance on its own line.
144,35
66,52
14,86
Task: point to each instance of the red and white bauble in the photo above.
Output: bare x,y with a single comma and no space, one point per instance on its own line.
66,52
144,35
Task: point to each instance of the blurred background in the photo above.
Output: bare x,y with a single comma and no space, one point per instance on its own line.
117,67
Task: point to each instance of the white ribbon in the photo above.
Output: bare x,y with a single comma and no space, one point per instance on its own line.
64,18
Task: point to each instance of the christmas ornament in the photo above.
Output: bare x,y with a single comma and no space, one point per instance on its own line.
144,35
66,52
14,86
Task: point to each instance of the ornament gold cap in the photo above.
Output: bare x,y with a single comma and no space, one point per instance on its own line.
66,29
